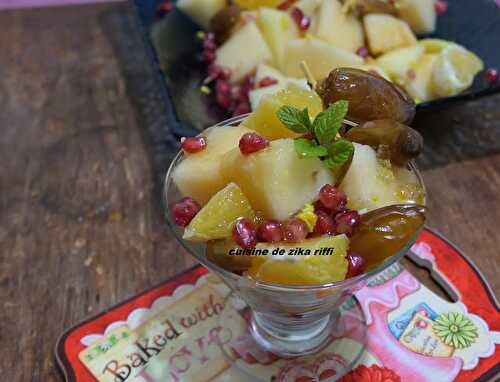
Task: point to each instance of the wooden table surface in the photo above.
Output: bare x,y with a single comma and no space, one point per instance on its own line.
80,223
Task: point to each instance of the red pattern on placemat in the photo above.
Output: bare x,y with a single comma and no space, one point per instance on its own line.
448,261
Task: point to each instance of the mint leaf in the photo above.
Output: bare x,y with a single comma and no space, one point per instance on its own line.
339,153
306,148
328,122
294,119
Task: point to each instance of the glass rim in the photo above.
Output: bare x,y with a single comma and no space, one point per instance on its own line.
343,284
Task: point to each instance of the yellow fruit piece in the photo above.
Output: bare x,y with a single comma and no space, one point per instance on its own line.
308,216
320,56
342,30
219,252
216,218
454,70
278,28
244,50
198,175
420,85
264,119
303,270
254,4
276,180
397,62
385,33
434,45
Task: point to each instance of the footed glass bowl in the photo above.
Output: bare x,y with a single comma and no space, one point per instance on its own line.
286,320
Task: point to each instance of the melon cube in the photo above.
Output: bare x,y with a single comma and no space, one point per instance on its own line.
276,181
397,62
385,33
344,30
419,14
320,56
420,85
368,184
277,27
246,49
198,175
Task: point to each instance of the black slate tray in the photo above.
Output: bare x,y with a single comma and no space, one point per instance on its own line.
457,132
472,23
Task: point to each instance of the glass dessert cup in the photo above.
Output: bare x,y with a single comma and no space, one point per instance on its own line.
287,320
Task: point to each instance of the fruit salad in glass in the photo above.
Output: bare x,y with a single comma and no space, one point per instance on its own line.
302,200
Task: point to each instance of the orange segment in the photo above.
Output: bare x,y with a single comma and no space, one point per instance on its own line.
303,270
264,119
216,218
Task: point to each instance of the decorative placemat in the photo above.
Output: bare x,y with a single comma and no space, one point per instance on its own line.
188,329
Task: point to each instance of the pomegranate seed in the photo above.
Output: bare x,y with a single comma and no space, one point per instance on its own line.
210,36
194,144
208,56
286,4
324,224
223,94
363,52
411,74
302,21
441,7
346,221
252,142
165,7
184,211
222,87
295,231
209,44
332,198
242,108
270,231
357,264
492,76
267,81
244,233
318,206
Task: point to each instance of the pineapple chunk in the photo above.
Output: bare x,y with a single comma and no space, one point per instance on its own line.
386,33
419,14
264,119
276,181
368,184
397,62
420,85
216,219
303,270
201,11
339,28
320,56
246,49
278,28
198,175
264,70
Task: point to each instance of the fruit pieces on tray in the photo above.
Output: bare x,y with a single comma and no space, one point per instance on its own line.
272,37
293,177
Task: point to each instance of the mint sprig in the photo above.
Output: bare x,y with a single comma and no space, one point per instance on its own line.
324,128
296,120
